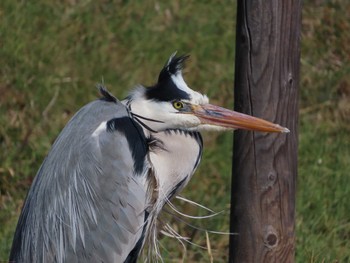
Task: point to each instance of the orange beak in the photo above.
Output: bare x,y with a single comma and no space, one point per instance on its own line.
215,115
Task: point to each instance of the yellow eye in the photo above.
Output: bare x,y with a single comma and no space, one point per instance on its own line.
178,104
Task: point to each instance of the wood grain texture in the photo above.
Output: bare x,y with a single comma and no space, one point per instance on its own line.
265,165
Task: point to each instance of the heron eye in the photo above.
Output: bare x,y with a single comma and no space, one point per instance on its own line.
178,105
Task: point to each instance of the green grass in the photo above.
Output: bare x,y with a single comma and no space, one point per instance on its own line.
52,53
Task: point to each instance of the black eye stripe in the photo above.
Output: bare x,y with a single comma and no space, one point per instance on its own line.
166,91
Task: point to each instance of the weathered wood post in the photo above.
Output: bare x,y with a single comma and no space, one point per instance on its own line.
265,165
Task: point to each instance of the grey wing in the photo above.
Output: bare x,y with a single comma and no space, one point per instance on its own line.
88,201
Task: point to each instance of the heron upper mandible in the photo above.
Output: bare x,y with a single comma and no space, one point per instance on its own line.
99,191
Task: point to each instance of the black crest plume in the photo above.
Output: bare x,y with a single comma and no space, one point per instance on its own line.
173,66
106,95
166,89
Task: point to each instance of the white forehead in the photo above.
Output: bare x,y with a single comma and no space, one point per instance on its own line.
196,97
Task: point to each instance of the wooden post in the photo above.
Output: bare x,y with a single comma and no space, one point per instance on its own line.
265,165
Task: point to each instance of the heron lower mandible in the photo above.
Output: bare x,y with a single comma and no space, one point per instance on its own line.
98,193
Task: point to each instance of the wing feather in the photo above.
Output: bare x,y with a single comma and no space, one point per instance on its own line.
86,204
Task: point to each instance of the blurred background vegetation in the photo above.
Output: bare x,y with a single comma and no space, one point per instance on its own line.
52,53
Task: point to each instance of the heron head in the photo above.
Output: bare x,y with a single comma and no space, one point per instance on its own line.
171,104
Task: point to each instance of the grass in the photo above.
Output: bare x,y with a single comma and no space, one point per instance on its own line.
53,53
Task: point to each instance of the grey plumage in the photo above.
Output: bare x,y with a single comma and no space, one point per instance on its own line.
88,202
85,204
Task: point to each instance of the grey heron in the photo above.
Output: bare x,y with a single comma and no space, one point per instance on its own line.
99,191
